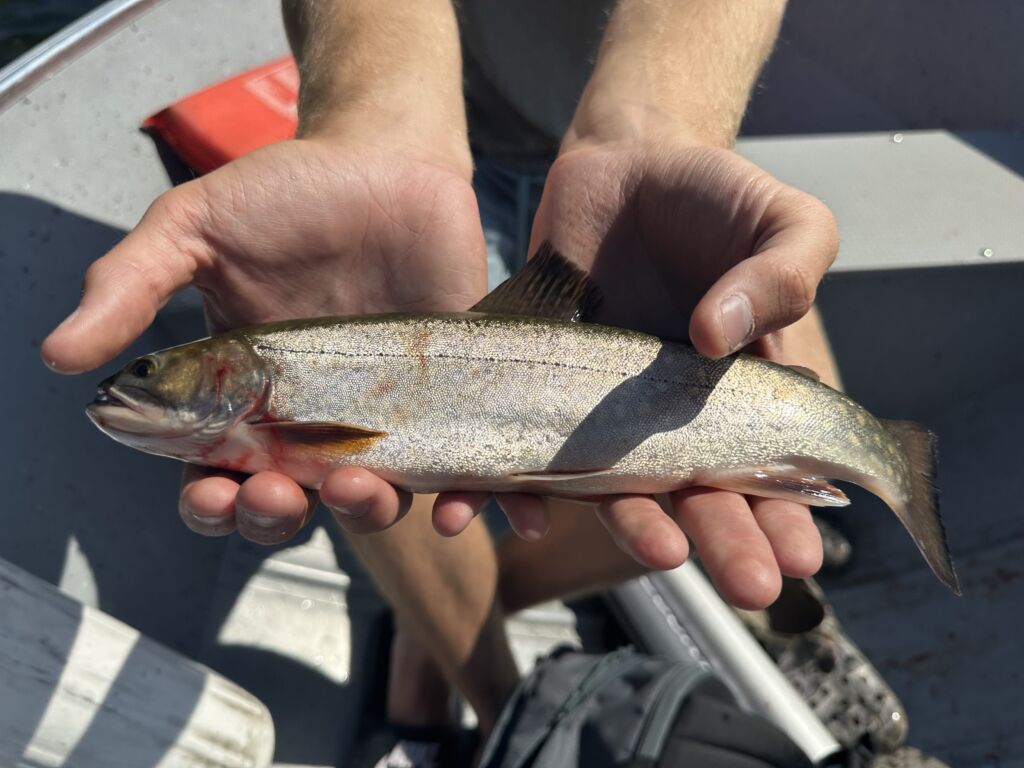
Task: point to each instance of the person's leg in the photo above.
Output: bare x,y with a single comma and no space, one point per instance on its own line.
448,623
443,593
418,693
578,556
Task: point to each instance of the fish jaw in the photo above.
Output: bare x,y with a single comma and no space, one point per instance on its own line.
124,416
138,423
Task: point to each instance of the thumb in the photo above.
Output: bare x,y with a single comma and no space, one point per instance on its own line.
124,289
776,285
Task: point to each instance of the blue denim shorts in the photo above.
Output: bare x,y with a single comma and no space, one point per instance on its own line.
508,200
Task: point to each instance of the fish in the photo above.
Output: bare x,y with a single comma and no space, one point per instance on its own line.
521,393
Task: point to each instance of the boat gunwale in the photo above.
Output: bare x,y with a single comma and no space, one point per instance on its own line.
34,66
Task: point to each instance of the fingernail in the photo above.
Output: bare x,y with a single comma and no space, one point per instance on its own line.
533,530
265,521
737,320
209,521
533,534
52,364
357,510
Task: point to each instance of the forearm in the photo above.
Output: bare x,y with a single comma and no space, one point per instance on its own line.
677,66
388,68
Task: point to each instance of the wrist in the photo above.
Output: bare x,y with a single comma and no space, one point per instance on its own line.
399,129
620,107
629,123
381,72
678,70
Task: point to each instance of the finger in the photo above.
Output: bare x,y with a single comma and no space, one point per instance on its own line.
454,510
124,289
361,502
527,514
270,508
733,549
776,285
792,534
643,531
207,501
769,347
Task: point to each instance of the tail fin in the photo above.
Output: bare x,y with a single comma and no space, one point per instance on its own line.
920,515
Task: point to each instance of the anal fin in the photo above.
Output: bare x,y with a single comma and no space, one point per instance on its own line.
776,483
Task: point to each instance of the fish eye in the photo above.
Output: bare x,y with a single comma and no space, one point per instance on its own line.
143,368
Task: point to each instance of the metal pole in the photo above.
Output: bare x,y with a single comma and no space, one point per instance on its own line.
678,614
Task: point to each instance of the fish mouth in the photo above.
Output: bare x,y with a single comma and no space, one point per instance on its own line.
107,395
115,410
113,396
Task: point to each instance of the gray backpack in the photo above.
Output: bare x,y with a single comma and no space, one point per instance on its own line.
629,710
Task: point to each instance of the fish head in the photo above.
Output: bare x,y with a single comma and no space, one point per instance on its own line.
174,401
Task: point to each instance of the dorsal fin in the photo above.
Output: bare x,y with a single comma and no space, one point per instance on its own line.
548,286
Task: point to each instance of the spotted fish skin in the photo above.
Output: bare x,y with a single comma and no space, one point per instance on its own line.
473,401
479,401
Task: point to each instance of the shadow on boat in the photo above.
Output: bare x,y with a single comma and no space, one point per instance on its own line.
102,522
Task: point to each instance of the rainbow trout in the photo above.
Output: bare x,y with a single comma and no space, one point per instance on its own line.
519,395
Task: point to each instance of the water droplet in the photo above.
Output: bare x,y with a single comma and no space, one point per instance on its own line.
306,604
897,138
986,253
318,661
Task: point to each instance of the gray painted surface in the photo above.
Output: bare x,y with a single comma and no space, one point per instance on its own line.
938,344
79,688
906,199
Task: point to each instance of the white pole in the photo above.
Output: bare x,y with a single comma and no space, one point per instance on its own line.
678,614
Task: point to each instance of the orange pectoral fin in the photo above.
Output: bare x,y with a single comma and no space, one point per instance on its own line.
335,437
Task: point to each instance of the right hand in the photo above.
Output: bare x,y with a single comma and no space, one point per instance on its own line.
302,228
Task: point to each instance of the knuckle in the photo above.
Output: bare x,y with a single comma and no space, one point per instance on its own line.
797,288
177,207
181,219
94,274
820,220
829,230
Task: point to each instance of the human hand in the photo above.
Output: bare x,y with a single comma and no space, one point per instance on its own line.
688,240
298,229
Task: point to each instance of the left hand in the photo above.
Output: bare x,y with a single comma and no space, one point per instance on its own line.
693,241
